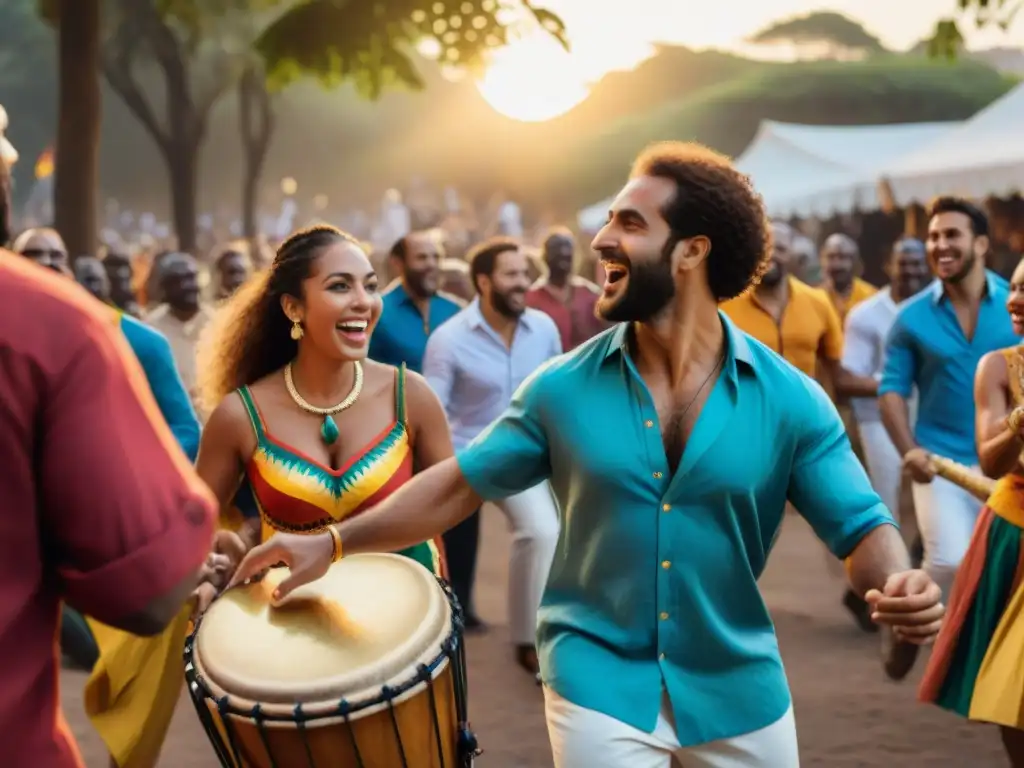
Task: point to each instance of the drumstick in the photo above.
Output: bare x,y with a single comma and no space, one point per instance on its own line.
979,486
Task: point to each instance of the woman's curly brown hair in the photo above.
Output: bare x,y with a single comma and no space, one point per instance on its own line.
250,337
715,200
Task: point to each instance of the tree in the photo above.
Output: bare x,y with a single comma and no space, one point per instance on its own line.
948,40
836,35
256,124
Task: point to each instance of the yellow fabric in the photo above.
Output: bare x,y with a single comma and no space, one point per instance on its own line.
861,290
134,688
810,327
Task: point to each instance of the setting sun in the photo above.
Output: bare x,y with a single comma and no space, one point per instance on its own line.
533,79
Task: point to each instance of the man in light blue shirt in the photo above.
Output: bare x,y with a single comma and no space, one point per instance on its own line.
475,362
413,307
673,443
935,344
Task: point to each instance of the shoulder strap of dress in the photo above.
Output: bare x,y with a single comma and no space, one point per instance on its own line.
252,410
1015,372
400,393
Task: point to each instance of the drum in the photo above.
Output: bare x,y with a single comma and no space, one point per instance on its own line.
363,668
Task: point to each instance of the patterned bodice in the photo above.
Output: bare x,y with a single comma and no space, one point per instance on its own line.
298,494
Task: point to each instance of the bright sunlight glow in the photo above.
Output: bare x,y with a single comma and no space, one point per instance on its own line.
533,79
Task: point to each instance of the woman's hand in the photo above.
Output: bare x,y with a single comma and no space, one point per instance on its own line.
228,551
308,557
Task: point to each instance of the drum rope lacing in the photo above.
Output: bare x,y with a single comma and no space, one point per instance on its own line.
452,649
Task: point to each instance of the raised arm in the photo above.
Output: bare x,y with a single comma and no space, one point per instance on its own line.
999,444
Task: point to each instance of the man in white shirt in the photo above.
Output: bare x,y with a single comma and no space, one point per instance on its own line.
867,327
475,362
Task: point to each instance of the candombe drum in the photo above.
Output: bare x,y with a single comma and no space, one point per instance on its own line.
363,668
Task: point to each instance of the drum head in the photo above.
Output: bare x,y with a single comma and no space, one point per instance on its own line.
369,622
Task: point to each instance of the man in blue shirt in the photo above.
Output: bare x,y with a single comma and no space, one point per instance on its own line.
935,344
672,442
474,363
413,306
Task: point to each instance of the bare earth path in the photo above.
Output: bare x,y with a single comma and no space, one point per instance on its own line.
848,715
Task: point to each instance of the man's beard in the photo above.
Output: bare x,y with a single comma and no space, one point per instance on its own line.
649,288
968,264
423,285
501,305
773,276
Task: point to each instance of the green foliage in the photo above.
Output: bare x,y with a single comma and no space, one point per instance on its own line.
828,27
886,89
948,41
370,42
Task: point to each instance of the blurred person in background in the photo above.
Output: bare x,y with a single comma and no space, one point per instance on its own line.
806,264
90,274
45,247
840,257
232,268
182,317
455,279
414,305
566,298
81,524
121,277
474,363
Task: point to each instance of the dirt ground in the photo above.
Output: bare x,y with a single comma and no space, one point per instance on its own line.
848,714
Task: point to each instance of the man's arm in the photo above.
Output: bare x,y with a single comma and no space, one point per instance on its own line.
439,367
129,522
157,360
896,387
854,373
508,457
829,487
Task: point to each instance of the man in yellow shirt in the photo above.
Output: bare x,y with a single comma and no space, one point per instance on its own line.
840,258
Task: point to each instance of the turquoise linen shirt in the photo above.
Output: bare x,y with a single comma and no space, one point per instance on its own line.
654,581
926,348
401,333
157,360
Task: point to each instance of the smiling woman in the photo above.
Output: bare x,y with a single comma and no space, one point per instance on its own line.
533,79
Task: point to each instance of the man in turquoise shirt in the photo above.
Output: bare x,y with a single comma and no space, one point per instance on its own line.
673,442
413,305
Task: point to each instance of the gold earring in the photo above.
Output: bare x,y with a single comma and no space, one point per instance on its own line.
296,330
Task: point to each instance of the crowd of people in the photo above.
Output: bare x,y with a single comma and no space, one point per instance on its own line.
644,440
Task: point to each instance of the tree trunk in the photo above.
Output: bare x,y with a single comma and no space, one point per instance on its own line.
256,122
78,130
182,158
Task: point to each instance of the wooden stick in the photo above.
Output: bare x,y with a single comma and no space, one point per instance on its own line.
978,485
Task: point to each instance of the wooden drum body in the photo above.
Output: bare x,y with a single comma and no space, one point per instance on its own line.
363,668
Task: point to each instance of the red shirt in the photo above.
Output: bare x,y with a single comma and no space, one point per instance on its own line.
575,319
98,505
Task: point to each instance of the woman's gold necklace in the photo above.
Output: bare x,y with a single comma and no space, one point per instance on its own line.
329,429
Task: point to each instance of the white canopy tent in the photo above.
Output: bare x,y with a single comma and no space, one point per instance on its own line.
983,157
817,170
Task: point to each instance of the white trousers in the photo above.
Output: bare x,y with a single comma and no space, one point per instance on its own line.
946,515
583,738
533,518
885,467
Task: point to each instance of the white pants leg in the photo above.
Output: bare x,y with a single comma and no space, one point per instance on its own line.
885,466
946,515
533,518
583,738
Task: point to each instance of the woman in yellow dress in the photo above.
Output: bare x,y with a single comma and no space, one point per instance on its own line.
303,427
976,668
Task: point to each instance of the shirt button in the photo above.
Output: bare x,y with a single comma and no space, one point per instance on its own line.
648,423
666,564
663,616
657,475
666,507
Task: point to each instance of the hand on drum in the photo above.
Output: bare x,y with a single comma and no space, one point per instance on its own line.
910,603
228,551
308,557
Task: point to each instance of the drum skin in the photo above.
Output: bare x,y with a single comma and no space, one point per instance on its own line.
372,622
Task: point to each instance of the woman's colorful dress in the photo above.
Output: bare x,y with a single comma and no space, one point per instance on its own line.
975,669
131,703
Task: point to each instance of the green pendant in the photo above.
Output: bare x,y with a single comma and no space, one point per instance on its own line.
329,430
